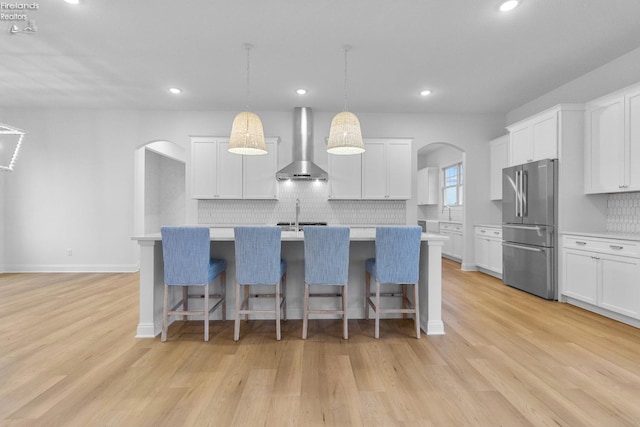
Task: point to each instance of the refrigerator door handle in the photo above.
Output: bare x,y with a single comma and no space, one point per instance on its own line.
526,248
523,227
524,190
518,194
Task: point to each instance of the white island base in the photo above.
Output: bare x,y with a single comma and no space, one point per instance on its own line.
361,248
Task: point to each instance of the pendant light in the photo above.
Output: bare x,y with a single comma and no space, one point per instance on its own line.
247,134
345,136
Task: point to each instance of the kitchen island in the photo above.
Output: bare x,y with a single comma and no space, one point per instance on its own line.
361,248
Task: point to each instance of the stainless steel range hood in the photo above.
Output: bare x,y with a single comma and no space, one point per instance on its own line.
302,167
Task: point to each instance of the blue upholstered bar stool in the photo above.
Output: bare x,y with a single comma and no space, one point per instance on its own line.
326,262
187,262
258,262
397,262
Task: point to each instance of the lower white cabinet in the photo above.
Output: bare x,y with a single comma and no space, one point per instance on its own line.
602,273
488,248
452,248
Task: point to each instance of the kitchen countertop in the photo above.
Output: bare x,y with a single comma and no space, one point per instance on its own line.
488,225
605,235
357,234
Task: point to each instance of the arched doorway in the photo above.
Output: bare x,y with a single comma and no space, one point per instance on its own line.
159,186
446,211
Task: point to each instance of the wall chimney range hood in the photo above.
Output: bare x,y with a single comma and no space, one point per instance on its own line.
302,167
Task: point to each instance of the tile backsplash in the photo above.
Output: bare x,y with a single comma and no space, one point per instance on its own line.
623,213
314,206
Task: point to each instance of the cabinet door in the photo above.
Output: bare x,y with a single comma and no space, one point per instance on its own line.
345,176
228,173
605,146
259,174
520,145
545,137
495,256
456,249
620,288
427,180
374,171
580,275
204,154
399,170
482,252
632,140
499,159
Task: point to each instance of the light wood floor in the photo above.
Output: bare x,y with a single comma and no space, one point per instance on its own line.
68,357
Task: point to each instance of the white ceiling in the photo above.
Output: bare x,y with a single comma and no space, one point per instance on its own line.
126,54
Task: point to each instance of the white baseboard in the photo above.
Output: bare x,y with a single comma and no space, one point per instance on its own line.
71,268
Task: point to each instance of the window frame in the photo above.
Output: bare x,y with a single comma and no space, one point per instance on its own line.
459,190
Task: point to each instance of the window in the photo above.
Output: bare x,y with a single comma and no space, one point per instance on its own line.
452,190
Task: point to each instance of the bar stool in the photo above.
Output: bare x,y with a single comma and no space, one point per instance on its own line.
326,262
187,262
258,262
397,262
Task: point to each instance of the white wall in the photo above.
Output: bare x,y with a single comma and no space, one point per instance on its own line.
617,74
164,192
74,185
3,203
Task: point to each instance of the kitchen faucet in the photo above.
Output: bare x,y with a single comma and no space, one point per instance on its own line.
297,214
449,207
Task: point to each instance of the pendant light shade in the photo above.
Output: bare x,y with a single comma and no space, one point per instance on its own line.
247,133
345,136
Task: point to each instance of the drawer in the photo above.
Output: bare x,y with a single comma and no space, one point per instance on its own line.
605,246
450,227
489,232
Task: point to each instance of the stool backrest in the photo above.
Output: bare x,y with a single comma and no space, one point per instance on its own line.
326,255
398,254
186,254
258,257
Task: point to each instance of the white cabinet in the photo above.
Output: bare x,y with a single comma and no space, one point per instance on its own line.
488,248
218,174
452,248
498,160
612,149
428,186
386,169
535,138
345,176
602,273
258,180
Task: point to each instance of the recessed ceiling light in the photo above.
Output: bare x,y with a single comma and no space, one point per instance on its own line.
175,91
425,92
508,5
301,91
73,1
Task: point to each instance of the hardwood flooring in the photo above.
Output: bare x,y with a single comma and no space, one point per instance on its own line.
68,357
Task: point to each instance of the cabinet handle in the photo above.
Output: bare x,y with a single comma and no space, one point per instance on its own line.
594,257
616,247
496,232
581,243
483,231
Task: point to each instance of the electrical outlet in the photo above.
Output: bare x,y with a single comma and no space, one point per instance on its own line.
69,252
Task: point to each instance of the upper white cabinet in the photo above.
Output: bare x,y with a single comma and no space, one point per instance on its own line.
428,186
499,159
612,149
258,181
382,172
386,169
535,138
218,174
345,176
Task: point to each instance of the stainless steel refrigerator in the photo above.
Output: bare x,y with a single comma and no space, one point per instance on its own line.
529,214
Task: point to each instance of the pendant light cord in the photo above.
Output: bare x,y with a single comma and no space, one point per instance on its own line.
248,47
346,49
